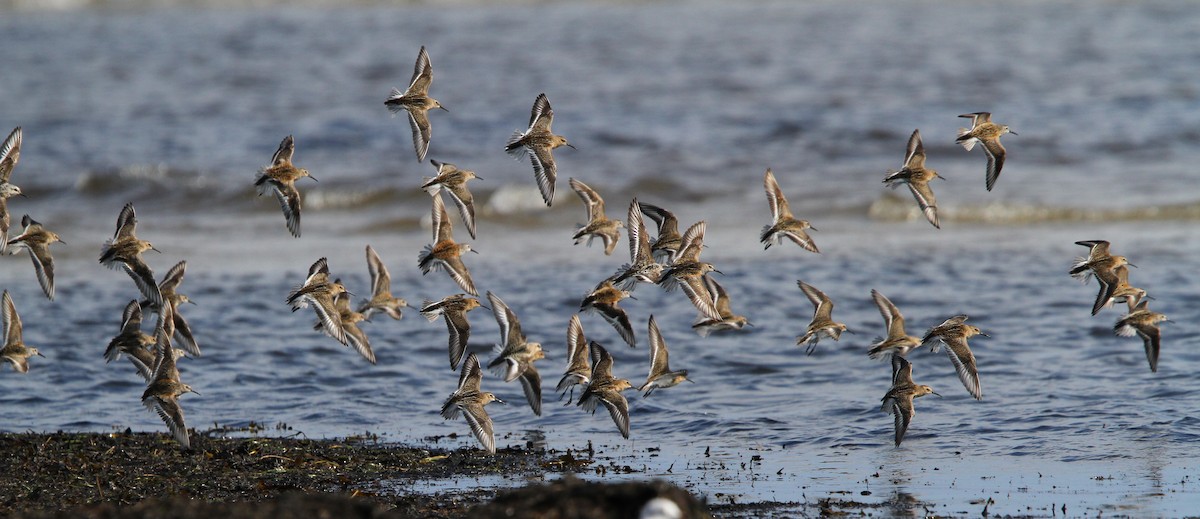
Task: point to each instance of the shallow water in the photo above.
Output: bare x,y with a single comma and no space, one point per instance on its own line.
175,109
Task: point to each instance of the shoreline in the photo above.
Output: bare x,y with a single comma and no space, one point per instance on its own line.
146,474
57,472
133,475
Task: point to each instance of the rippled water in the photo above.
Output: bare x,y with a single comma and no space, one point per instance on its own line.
682,105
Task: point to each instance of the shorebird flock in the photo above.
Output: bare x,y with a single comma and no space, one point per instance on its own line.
670,260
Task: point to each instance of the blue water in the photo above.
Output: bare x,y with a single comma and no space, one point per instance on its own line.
682,105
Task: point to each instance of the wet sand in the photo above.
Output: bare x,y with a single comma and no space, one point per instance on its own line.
128,475
139,474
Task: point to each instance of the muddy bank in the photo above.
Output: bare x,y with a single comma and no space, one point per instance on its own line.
136,475
144,475
62,471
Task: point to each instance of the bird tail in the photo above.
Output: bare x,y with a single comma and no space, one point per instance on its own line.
965,140
432,189
425,259
430,314
879,351
392,103
1080,270
766,235
514,146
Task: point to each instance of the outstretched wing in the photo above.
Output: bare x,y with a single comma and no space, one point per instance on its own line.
10,154
283,155
542,115
775,198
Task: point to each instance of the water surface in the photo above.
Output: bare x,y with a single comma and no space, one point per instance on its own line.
685,106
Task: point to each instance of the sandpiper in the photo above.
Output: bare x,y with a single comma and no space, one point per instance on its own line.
180,329
641,266
899,399
15,351
355,338
917,177
468,401
125,250
783,224
579,368
1124,292
822,321
132,341
720,301
1144,322
1103,265
382,299
897,341
666,243
454,181
954,332
660,371
36,239
538,142
606,389
599,224
603,300
319,291
988,133
417,103
280,178
454,309
516,354
691,244
163,392
10,154
687,272
445,254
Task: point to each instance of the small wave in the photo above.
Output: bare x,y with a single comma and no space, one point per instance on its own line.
150,177
652,188
346,198
893,207
513,199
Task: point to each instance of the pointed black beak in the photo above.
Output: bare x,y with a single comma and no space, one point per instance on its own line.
314,178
